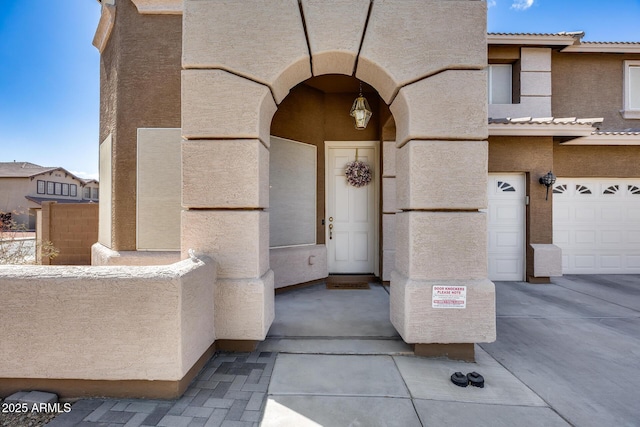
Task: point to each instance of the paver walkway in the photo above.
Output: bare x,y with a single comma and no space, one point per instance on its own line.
230,391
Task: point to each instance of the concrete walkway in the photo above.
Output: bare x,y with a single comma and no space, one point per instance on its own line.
566,354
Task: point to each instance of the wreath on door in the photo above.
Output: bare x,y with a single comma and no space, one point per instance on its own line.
358,172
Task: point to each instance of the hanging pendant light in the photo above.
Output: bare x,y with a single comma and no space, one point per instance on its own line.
361,111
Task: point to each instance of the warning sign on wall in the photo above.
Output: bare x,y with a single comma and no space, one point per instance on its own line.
449,297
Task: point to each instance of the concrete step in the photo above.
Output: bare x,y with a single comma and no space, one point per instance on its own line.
343,345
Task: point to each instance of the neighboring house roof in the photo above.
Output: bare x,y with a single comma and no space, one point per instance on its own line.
22,169
29,170
40,200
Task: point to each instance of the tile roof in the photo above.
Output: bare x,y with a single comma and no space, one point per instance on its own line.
611,43
546,121
560,34
635,132
22,169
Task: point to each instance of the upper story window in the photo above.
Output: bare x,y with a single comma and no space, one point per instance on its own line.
87,193
500,81
631,90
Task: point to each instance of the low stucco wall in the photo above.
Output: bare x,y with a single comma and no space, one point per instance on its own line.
298,264
106,323
101,256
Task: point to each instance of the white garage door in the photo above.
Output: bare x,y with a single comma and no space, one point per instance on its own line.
506,226
596,222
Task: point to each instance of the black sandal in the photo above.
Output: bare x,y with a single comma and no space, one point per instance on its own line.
459,379
475,379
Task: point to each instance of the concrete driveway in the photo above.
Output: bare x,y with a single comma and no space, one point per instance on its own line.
566,354
576,344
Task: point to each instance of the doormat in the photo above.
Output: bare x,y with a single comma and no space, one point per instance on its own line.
347,285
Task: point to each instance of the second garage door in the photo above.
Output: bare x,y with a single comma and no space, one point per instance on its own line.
596,223
506,226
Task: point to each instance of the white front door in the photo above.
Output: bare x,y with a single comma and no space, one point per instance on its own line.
506,226
596,223
351,212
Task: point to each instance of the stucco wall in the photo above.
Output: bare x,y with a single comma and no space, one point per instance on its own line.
72,229
106,323
101,255
534,157
139,88
298,264
581,161
590,85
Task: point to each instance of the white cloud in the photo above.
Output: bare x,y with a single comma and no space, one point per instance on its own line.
522,4
491,3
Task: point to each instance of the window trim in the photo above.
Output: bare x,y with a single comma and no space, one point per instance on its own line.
627,111
51,188
44,187
65,189
73,190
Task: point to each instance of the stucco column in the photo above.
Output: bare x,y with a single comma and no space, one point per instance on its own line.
225,194
441,236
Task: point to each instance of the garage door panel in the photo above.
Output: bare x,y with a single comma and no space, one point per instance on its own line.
561,214
596,223
561,237
508,239
611,261
585,237
611,237
585,213
509,266
507,213
612,214
633,262
585,261
633,237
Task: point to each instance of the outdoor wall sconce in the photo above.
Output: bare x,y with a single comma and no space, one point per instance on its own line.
361,111
548,180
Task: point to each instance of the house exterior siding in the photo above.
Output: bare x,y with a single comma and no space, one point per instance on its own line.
139,88
622,161
591,85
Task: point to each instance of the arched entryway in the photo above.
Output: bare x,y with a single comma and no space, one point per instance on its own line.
234,80
319,224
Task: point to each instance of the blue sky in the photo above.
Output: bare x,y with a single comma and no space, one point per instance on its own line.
49,71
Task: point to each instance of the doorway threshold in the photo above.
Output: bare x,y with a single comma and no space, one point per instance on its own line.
356,277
